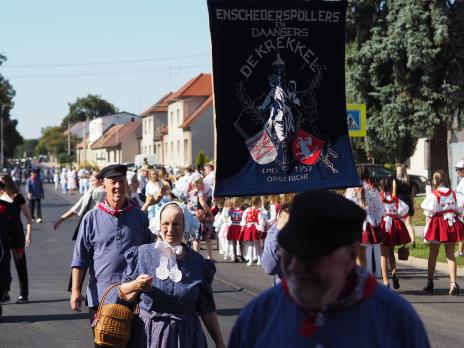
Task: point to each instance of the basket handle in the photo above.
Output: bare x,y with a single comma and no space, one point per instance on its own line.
104,297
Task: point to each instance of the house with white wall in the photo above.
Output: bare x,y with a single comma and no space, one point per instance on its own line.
119,144
190,126
154,127
96,128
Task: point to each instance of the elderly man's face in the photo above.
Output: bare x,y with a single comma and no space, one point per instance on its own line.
116,189
172,224
460,172
318,282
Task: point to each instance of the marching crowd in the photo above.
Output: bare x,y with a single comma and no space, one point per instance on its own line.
142,230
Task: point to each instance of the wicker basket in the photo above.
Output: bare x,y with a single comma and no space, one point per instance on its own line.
112,325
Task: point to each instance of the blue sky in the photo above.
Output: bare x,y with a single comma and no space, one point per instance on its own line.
63,36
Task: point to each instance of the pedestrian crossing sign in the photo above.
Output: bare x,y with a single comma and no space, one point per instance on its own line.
356,119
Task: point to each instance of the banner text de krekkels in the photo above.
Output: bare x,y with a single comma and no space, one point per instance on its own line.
268,46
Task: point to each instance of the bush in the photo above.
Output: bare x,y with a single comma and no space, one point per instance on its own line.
201,159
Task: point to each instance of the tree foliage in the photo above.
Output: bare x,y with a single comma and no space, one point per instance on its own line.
405,60
12,138
91,106
54,142
27,148
201,159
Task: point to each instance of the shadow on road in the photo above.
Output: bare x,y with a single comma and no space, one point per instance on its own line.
229,312
226,291
39,318
38,301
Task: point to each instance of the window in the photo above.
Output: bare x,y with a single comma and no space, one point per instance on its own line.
172,118
186,156
172,148
178,147
166,148
178,117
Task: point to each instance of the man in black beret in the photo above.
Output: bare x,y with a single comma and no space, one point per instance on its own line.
105,234
325,299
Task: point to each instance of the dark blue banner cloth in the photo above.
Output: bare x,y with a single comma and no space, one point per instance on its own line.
279,96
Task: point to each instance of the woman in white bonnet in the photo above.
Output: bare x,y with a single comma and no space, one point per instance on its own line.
172,284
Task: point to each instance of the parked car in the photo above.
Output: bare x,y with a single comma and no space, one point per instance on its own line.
379,172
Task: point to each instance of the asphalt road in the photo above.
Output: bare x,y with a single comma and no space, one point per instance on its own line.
47,321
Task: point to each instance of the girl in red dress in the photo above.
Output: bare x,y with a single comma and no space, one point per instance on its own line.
442,208
253,224
234,218
394,231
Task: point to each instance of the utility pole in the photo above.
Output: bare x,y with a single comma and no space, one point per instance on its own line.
69,139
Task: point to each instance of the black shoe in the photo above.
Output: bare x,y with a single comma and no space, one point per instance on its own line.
396,282
22,299
243,259
6,297
429,286
454,291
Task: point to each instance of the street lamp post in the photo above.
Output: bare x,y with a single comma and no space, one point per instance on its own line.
2,159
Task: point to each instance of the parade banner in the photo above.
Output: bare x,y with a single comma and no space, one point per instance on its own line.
279,96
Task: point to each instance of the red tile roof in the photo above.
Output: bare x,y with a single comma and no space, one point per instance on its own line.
160,106
200,86
116,134
197,113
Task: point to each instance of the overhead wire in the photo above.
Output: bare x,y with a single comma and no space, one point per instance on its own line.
113,62
109,73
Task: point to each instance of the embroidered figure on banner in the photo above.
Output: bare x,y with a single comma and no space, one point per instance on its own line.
285,117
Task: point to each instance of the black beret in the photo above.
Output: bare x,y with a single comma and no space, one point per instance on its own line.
113,170
321,221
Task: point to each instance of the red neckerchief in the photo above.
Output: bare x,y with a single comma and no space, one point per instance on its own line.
314,320
115,212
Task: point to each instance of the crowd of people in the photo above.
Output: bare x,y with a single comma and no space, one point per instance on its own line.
142,230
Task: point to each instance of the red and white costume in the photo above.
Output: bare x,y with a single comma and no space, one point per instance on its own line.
443,206
233,221
393,228
253,224
372,234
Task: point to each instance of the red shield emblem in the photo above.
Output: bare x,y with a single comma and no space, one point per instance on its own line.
261,148
307,147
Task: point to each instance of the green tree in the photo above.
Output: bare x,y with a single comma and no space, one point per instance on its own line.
12,138
201,159
90,107
405,60
27,148
54,142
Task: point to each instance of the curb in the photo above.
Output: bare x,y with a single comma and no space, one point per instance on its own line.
423,264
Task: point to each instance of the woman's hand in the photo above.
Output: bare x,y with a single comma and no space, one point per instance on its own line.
28,240
143,282
57,224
